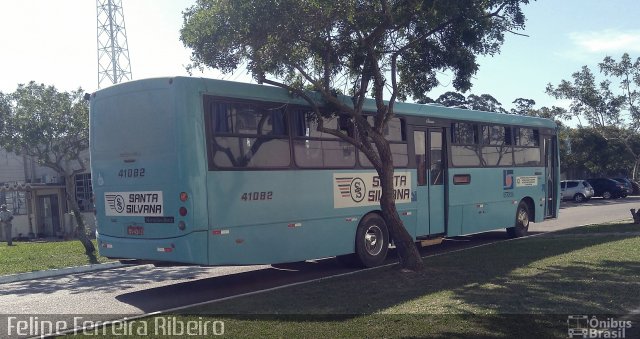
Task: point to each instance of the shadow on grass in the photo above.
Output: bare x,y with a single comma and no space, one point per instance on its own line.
525,287
227,285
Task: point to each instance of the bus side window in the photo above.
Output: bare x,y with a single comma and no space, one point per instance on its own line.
464,145
315,149
436,158
247,135
496,145
396,134
527,149
419,142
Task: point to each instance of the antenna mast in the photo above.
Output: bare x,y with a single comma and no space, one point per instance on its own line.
113,50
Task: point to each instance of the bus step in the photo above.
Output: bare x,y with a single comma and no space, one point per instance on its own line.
431,242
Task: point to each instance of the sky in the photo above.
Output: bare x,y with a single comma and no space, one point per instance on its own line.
55,43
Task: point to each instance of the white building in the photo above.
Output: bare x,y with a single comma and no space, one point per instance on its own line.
37,198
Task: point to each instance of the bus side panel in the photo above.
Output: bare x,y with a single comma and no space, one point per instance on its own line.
282,216
529,183
454,224
276,216
489,201
281,242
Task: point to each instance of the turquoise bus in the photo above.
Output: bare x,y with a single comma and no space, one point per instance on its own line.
210,172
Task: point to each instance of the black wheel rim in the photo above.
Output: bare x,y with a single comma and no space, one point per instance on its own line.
373,240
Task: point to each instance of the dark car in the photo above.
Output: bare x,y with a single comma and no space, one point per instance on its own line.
607,188
636,187
627,184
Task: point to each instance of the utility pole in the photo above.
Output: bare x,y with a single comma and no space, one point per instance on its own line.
113,51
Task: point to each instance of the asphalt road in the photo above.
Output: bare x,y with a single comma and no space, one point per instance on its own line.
137,290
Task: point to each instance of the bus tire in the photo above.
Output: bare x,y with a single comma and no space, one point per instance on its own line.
372,241
521,227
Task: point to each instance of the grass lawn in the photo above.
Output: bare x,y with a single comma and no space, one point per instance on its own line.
524,288
36,256
520,288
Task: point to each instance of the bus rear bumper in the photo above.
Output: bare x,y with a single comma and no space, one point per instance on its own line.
188,249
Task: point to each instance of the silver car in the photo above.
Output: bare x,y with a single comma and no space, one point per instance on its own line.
576,190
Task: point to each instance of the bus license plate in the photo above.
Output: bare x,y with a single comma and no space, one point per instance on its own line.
135,230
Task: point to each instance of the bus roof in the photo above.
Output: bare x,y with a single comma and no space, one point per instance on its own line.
249,91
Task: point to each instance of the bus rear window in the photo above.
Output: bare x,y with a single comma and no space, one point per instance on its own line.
133,122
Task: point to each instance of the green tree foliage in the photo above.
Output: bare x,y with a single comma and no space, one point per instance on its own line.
613,114
485,102
452,99
523,106
53,128
359,48
590,153
627,73
594,102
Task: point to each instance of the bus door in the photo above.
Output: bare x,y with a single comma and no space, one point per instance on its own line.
551,166
430,160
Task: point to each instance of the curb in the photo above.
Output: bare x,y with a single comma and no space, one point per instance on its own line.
58,272
111,265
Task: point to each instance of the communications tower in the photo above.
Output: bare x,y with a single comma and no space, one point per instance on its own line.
113,51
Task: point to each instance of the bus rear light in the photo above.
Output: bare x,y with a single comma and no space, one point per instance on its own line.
184,196
165,249
183,211
220,232
182,225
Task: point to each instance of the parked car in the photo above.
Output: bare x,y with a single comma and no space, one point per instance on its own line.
576,190
607,188
636,187
627,184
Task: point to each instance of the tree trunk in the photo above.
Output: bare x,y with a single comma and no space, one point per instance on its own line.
409,256
81,230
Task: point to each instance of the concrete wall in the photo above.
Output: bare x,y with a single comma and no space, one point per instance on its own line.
15,168
21,227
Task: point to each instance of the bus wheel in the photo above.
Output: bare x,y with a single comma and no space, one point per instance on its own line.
521,226
372,241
